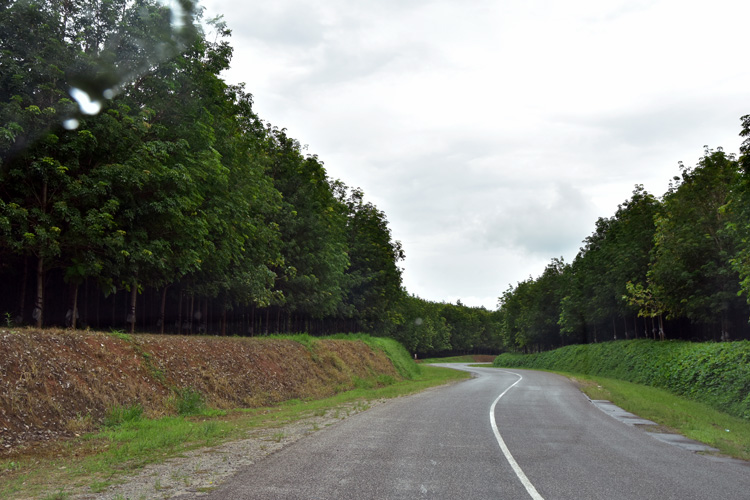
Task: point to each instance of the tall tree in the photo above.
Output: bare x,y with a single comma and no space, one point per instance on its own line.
374,278
313,230
691,259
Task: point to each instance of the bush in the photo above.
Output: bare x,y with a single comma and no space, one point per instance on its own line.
717,374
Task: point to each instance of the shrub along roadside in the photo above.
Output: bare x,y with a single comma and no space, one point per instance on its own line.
717,374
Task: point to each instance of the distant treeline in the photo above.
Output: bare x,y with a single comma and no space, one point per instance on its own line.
674,267
161,202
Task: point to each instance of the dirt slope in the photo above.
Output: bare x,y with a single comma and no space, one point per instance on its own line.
55,383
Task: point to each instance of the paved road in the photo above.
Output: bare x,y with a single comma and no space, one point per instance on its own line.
549,442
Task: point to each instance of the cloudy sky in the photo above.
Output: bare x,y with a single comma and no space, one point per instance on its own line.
493,134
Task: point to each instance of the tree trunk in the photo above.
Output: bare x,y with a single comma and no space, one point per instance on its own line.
114,308
224,321
724,326
662,335
614,329
133,302
162,311
192,312
204,318
179,315
22,299
86,303
39,304
74,309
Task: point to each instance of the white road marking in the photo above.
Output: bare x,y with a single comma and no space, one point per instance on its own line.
512,461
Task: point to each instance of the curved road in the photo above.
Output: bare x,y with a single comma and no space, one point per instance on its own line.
542,439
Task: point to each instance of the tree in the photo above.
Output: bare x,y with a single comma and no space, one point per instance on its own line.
373,279
738,214
313,230
691,258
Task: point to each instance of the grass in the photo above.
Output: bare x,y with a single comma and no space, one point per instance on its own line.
396,352
467,358
729,434
96,460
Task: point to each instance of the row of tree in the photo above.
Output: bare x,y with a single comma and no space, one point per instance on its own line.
675,267
139,190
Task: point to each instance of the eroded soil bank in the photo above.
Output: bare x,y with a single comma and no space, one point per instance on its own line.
57,383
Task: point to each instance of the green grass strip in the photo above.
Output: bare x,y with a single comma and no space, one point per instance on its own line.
695,420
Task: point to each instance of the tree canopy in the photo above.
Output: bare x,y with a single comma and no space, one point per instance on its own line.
139,190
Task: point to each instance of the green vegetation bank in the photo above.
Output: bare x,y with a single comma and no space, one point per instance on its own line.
717,374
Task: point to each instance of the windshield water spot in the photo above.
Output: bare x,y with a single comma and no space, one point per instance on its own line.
71,124
87,105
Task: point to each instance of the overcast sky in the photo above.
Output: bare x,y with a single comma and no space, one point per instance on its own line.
493,134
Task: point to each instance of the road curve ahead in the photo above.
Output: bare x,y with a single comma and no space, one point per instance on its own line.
504,434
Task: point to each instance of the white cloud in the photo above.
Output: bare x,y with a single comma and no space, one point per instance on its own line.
493,134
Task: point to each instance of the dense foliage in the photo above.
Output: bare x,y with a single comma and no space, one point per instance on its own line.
139,190
675,267
714,373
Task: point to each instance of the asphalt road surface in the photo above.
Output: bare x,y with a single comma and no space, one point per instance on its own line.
504,434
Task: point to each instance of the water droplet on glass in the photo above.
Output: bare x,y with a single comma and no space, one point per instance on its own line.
71,124
178,13
108,94
88,106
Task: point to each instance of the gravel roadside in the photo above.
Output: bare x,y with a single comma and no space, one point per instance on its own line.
202,470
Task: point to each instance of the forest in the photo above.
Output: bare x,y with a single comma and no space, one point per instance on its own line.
675,267
140,191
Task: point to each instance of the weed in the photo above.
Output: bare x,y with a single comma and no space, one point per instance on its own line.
278,436
118,415
59,495
11,466
157,484
188,401
8,320
361,383
385,380
80,423
99,486
209,429
120,334
305,339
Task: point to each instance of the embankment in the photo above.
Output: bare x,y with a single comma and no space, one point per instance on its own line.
717,374
57,383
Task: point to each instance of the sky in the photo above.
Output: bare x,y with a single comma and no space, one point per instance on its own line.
493,134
